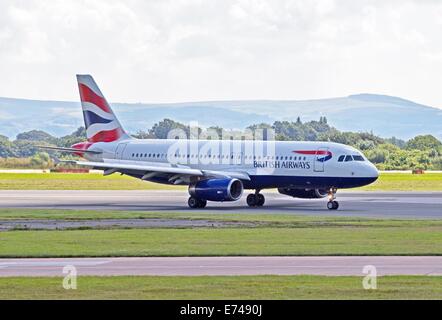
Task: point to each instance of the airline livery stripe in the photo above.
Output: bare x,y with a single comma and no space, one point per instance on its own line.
313,152
88,81
106,136
327,154
88,95
97,127
87,106
91,118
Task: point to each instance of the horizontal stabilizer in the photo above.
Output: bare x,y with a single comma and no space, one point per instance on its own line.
71,150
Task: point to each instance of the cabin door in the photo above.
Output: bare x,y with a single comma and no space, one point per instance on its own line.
320,158
120,150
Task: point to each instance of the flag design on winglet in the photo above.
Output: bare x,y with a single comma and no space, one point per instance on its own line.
100,121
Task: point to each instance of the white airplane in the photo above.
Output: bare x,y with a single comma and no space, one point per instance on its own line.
217,170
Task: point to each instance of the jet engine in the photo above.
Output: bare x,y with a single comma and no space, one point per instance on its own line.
304,193
217,189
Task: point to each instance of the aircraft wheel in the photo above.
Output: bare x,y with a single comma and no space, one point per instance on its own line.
332,205
251,200
202,203
260,200
193,202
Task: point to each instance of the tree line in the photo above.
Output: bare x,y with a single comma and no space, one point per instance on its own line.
420,152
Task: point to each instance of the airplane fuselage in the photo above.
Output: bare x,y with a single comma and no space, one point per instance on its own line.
269,164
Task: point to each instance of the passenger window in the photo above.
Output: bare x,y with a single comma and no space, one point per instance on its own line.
341,158
358,158
348,158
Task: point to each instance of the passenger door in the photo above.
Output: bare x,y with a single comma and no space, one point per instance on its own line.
120,150
318,165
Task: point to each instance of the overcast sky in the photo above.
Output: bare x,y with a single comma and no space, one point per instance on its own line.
189,50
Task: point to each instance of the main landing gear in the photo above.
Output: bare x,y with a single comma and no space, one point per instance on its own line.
196,203
255,199
332,204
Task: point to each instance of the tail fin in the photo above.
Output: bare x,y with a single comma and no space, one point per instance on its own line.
100,121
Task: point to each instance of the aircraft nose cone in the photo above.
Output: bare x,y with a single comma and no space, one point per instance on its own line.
373,171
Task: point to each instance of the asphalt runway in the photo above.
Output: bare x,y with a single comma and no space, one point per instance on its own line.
197,266
426,205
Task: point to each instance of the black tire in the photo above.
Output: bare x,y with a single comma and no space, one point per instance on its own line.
251,200
202,203
332,205
193,203
260,200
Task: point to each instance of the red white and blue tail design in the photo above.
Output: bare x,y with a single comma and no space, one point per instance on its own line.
101,123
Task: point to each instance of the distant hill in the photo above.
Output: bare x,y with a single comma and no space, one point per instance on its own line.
386,116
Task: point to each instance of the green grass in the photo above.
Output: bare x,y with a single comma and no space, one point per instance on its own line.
271,235
313,240
261,219
96,181
76,181
406,182
223,287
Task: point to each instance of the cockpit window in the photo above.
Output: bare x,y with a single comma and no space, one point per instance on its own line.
341,158
348,158
358,158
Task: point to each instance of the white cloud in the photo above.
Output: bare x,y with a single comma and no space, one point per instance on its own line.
222,49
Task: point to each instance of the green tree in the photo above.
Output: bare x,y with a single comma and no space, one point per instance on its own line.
37,135
161,129
423,142
5,147
141,134
77,136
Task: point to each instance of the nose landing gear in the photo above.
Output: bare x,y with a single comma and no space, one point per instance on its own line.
255,199
332,204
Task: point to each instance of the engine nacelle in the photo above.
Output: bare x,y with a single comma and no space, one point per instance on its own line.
304,193
217,189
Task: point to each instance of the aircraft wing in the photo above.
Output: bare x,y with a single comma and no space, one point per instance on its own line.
176,173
